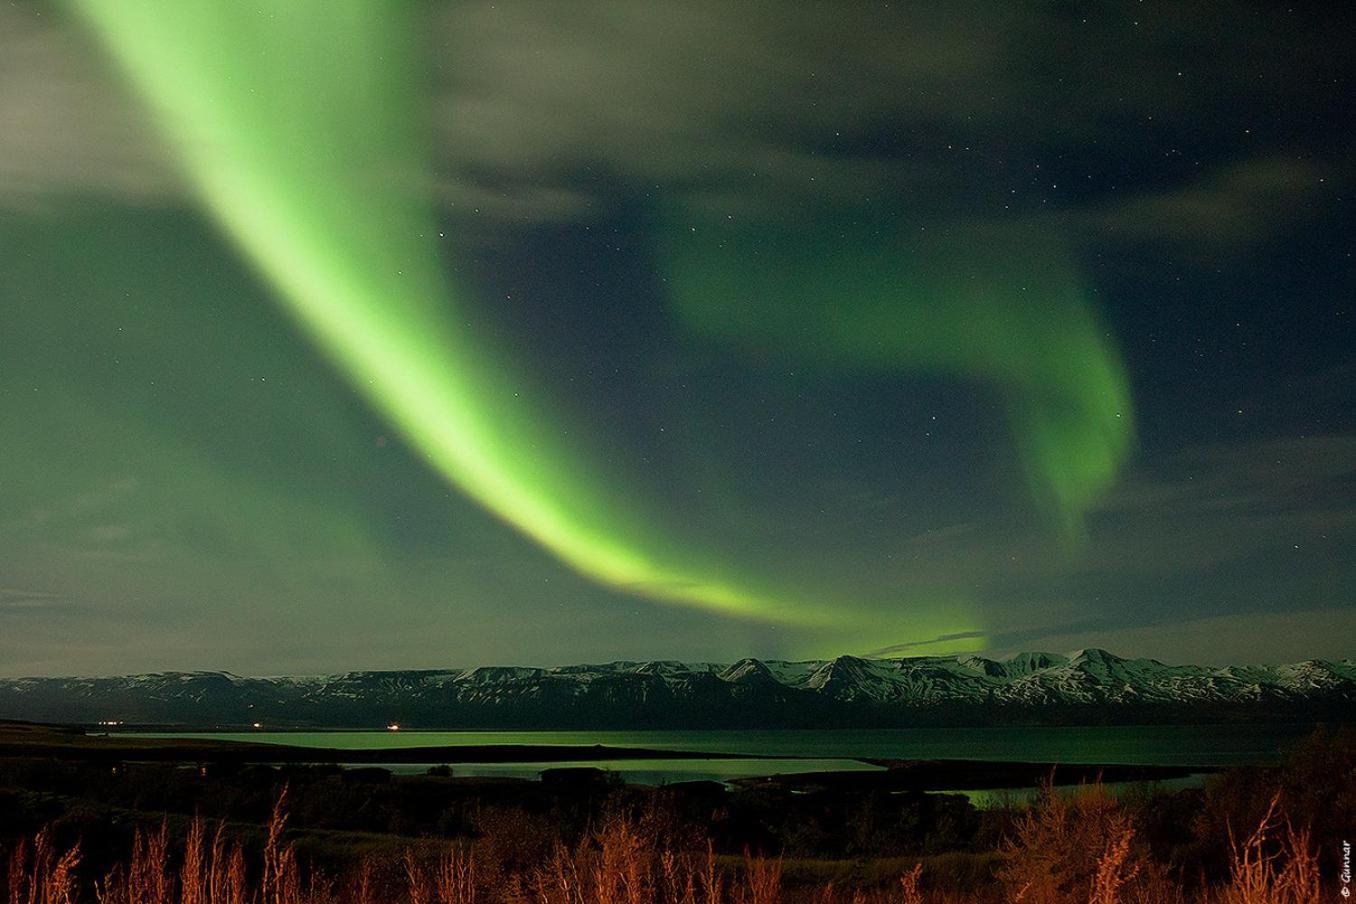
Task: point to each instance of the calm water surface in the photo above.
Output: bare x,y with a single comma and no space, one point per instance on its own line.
1167,745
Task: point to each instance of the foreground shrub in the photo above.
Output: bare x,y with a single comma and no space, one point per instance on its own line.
1079,848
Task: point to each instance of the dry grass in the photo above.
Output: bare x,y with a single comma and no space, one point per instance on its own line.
620,863
1114,868
908,886
1262,872
1079,849
38,875
214,875
451,880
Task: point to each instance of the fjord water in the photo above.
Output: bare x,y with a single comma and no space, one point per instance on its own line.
1163,745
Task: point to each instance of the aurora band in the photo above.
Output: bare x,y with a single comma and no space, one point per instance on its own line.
298,124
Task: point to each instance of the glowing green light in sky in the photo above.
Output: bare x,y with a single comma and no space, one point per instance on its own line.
296,122
997,306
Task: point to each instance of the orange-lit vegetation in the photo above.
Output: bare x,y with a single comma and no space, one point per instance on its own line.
1062,850
82,833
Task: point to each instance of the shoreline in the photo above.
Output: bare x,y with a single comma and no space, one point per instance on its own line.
74,744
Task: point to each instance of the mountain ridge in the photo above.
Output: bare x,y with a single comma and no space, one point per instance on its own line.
1088,686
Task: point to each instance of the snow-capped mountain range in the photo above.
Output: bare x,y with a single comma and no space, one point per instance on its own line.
1087,686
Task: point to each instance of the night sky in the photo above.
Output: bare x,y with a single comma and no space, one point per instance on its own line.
359,334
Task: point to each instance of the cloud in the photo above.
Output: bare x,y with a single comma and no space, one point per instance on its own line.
1235,639
751,107
11,594
914,645
543,112
15,601
1223,530
1220,530
1238,203
67,128
1218,502
714,100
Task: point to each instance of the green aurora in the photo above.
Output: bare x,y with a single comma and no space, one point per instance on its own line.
300,126
992,305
